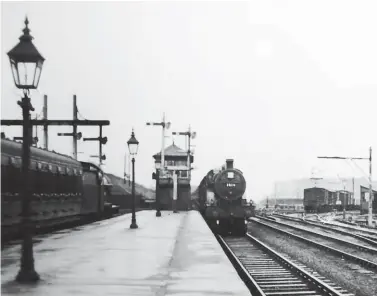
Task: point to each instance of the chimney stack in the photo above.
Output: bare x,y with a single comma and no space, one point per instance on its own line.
229,163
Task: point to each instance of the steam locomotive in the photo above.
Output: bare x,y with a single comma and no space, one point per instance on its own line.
62,189
220,200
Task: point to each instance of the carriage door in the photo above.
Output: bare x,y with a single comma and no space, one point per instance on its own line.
92,192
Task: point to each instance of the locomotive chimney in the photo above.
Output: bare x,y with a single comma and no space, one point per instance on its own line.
229,163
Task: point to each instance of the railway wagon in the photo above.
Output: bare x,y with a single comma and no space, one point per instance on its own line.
321,200
318,200
61,190
220,200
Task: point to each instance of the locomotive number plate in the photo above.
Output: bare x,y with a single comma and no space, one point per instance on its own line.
230,185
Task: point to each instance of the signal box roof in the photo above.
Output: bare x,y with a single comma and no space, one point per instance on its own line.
173,151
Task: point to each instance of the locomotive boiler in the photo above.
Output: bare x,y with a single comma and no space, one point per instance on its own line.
220,199
61,190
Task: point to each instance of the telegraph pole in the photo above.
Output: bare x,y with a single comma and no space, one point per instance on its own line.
344,199
100,146
62,122
74,128
160,172
75,135
45,127
190,135
370,210
165,125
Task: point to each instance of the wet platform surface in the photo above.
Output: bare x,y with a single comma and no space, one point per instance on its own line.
175,254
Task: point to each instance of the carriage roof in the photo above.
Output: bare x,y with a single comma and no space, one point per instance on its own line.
14,149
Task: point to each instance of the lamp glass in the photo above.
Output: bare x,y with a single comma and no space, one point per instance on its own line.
26,75
133,148
133,145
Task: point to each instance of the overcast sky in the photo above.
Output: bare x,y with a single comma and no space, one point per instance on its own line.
272,84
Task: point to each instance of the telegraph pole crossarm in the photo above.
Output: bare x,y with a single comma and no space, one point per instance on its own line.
370,209
49,122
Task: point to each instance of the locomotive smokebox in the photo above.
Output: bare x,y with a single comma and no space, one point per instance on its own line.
229,163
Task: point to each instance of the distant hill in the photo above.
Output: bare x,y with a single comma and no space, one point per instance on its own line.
272,201
120,187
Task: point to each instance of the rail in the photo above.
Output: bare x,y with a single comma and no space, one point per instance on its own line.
266,272
338,240
332,227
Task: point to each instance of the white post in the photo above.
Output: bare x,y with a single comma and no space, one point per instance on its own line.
175,191
188,155
370,210
175,179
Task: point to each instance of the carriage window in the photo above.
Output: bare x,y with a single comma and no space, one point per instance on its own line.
184,174
89,178
14,178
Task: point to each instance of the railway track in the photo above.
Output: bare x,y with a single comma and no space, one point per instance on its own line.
359,234
355,243
268,273
344,227
342,254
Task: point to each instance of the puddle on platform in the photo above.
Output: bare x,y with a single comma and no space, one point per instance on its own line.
47,250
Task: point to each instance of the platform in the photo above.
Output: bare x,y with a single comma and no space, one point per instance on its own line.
172,255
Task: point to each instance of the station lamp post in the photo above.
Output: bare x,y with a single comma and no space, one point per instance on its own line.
26,63
133,146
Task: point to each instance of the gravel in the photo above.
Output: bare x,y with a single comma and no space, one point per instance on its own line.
329,232
327,242
350,276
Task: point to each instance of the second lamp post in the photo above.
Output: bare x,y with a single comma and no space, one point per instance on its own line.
133,146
